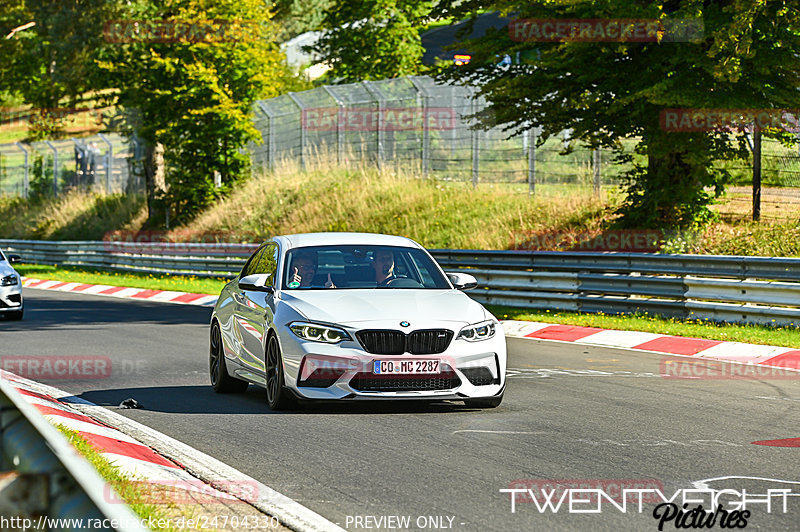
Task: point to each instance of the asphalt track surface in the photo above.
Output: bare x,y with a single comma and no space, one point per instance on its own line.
594,415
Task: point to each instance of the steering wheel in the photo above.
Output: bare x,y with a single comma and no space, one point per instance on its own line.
388,281
400,282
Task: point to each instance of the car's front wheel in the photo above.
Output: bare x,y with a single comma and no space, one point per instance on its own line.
221,382
278,397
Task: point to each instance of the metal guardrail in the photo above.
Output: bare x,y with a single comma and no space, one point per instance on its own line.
726,288
50,485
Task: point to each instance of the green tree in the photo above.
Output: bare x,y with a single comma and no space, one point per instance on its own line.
299,16
55,58
192,97
373,39
747,57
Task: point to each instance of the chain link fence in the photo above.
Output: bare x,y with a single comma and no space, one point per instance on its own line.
415,122
101,163
412,123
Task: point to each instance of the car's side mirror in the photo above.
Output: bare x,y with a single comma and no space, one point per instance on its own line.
462,281
256,282
13,259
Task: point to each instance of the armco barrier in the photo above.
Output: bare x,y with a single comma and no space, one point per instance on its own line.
49,479
727,288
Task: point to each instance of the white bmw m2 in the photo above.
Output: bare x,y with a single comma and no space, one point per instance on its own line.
354,316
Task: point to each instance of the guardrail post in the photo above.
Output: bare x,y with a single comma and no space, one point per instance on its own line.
55,167
109,161
25,182
299,105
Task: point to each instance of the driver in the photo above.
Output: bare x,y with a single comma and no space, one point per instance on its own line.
303,270
383,264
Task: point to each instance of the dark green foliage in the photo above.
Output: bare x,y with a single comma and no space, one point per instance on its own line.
373,39
748,57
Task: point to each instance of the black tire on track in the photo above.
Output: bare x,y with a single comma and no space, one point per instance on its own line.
278,397
15,316
221,382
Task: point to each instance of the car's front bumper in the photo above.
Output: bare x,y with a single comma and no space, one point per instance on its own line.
467,370
11,298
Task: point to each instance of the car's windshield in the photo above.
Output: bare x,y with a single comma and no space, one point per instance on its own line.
2,257
346,267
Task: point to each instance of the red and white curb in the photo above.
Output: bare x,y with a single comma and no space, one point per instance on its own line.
142,294
766,355
131,457
175,465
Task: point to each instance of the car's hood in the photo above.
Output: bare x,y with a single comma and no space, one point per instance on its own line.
348,307
6,269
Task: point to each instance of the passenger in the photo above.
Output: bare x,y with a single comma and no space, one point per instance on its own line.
304,269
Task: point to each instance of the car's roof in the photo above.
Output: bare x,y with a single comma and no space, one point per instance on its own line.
346,239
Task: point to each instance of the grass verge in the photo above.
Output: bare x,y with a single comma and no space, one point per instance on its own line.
150,281
751,334
132,492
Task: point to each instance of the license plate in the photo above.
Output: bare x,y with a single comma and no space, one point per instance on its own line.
405,367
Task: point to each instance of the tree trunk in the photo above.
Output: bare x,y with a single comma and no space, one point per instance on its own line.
154,177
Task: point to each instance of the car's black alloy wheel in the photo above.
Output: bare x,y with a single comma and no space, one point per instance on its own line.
278,397
220,380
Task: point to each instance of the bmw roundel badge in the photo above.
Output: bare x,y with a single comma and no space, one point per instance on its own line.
404,324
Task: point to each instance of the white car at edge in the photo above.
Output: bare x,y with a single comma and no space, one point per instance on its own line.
11,304
353,316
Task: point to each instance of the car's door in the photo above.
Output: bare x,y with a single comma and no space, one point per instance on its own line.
255,310
235,325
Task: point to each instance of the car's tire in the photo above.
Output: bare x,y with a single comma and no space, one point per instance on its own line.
16,315
221,382
278,397
491,402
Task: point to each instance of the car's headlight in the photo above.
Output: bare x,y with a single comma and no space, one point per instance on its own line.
9,280
478,331
315,332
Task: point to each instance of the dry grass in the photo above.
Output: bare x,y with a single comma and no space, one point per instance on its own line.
436,213
73,216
